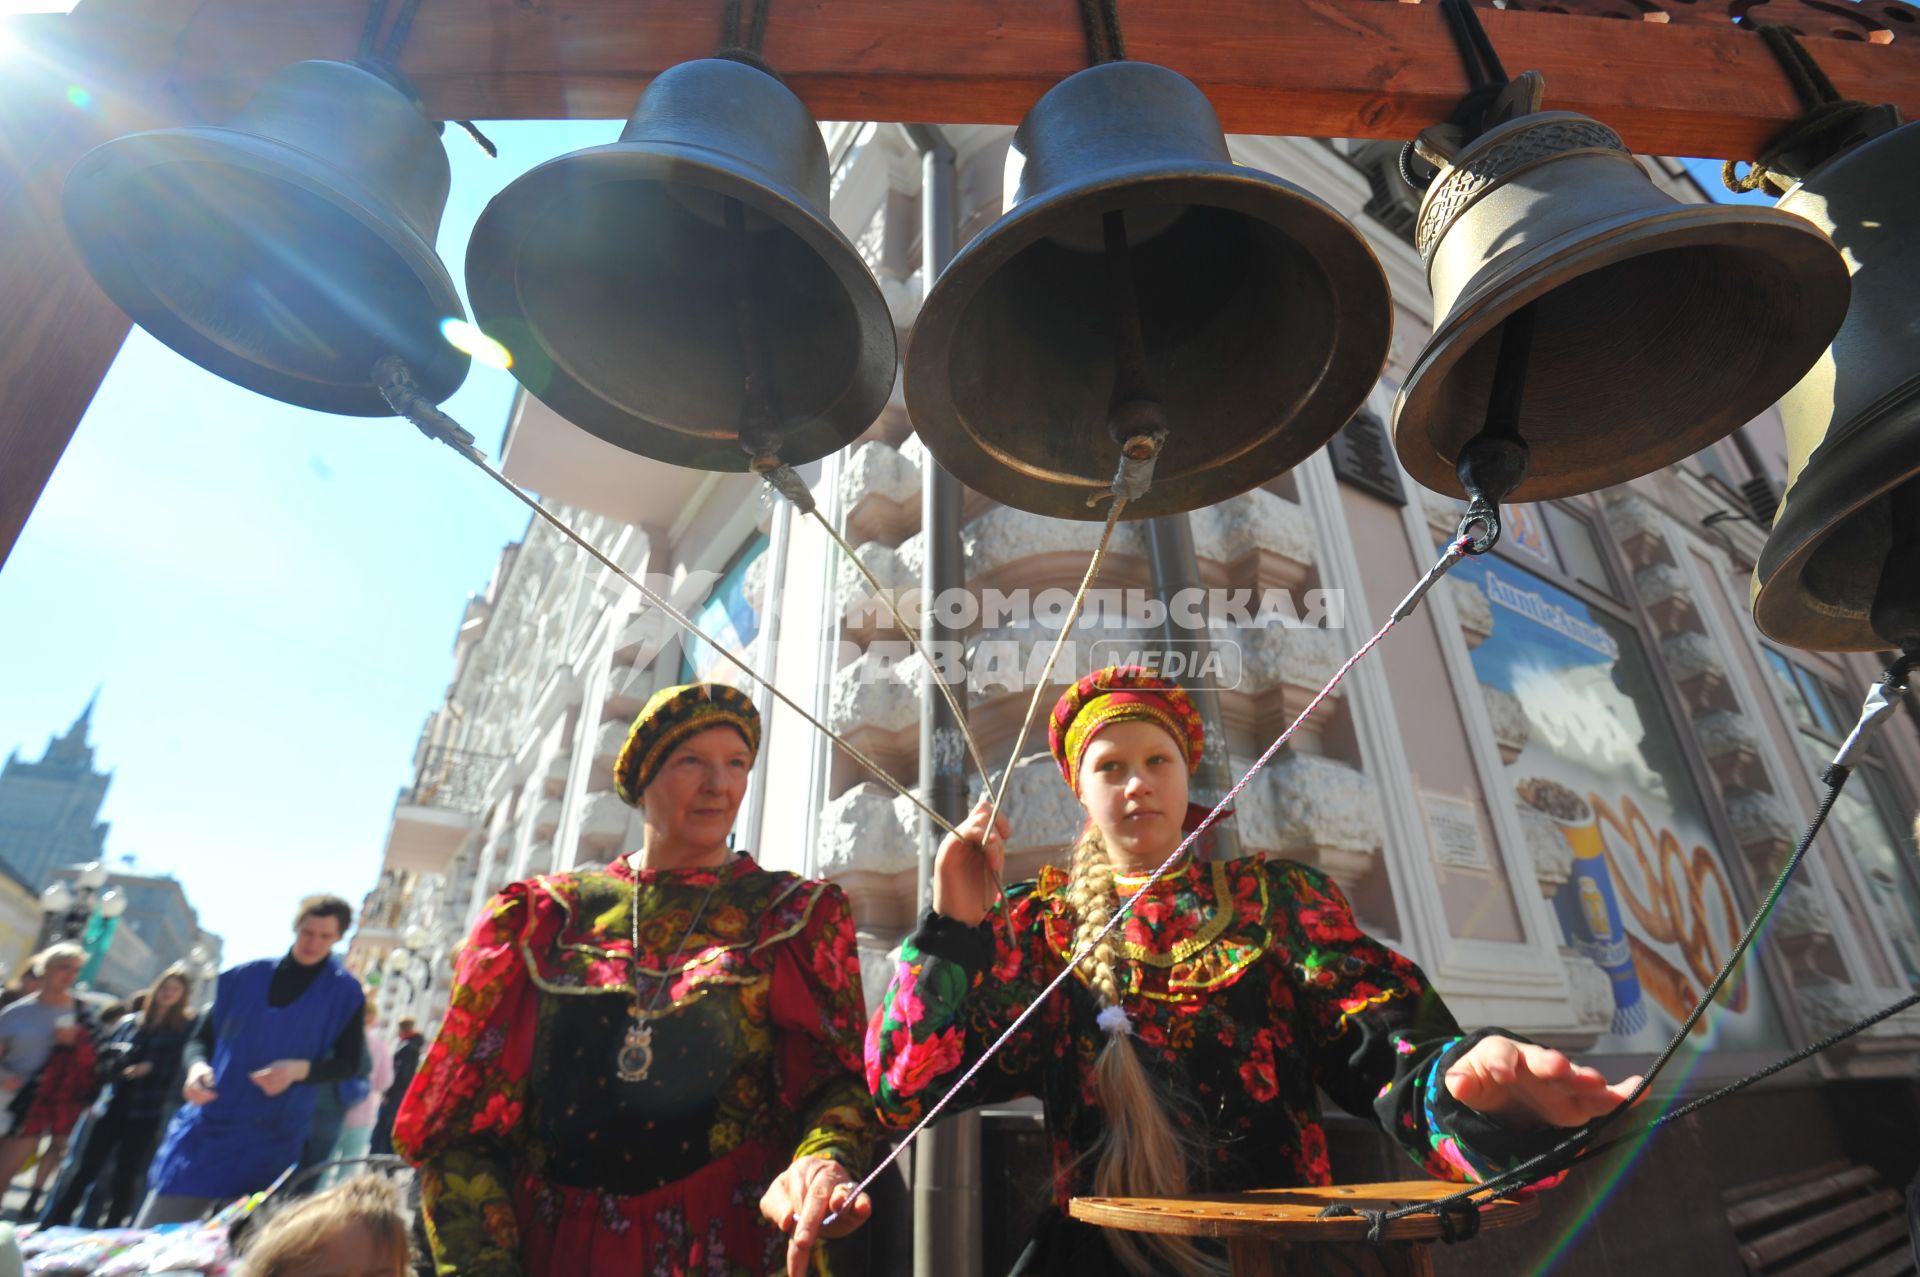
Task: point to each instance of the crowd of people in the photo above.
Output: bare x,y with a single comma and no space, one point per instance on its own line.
667,1065
149,1113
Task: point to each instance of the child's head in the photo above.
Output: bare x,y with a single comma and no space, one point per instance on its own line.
357,1229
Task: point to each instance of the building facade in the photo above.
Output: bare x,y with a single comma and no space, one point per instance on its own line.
50,808
1585,720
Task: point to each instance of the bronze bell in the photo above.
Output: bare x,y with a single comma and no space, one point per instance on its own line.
291,249
1846,528
683,292
1263,317
1659,327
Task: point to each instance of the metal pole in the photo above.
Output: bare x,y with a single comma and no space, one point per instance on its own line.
1177,568
946,1158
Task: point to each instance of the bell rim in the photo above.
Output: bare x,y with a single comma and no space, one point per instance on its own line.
1843,487
993,247
124,158
1673,228
495,297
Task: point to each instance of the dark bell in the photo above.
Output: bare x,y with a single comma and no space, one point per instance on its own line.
683,293
1659,327
1263,316
1844,531
291,249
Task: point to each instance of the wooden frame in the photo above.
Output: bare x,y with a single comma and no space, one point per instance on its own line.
1677,84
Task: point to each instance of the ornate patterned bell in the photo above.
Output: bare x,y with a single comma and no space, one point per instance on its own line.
1659,327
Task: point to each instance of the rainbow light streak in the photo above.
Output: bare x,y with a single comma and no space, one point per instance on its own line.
469,340
1688,1060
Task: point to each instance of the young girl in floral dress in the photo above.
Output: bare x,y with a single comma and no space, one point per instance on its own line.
1185,1055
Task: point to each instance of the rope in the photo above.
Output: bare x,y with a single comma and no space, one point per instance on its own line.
1451,556
1046,673
1100,20
886,596
385,61
1820,128
739,46
1881,702
1486,78
395,382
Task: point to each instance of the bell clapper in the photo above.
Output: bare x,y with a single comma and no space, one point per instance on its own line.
396,384
1135,417
1494,462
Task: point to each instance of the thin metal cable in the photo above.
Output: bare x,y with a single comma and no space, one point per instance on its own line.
1881,702
1066,630
396,384
913,637
1451,556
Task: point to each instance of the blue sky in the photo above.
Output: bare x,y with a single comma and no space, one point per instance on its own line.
267,597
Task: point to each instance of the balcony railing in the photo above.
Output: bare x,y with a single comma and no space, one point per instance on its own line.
455,779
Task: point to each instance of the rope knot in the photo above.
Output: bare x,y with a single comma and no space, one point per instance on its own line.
1466,1229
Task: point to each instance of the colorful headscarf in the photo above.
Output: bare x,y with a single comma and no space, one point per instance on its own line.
1115,695
671,715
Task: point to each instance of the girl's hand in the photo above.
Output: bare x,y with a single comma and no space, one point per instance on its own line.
806,1193
1524,1085
960,870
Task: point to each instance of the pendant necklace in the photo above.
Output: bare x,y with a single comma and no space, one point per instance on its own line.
635,1059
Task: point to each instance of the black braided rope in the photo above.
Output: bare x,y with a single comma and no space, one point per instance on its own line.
1100,22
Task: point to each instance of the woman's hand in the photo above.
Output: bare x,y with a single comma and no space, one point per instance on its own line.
806,1193
1524,1085
960,882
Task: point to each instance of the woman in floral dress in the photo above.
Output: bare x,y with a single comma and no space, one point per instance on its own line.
655,1068
1185,1054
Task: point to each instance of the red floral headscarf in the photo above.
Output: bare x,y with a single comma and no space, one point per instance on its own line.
1117,694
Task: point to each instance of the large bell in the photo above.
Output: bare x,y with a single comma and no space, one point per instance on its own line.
1659,327
682,292
1853,422
288,251
1263,316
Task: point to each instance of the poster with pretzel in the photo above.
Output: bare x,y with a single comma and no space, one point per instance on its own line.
1648,895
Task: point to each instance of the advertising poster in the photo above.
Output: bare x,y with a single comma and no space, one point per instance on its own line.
1649,897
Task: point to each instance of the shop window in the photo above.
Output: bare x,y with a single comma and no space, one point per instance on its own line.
729,615
1579,550
1593,758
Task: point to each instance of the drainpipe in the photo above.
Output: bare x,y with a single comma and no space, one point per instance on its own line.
946,1158
1176,568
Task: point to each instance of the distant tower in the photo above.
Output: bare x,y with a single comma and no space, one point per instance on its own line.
50,809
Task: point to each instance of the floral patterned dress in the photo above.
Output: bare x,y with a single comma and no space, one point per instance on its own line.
1255,987
536,1158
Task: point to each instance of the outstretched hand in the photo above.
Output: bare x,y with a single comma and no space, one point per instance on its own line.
1523,1085
803,1195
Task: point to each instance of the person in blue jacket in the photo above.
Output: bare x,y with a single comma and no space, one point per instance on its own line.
275,1032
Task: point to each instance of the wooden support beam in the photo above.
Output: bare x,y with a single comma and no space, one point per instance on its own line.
58,331
1684,82
1692,85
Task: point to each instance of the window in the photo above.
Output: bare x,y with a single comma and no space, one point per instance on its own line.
1867,822
730,616
1592,757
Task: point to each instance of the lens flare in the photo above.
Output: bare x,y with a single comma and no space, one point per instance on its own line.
467,339
79,97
